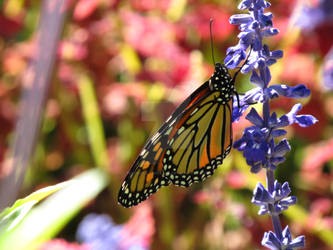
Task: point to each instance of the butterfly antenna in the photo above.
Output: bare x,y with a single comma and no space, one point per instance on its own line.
211,39
245,62
234,78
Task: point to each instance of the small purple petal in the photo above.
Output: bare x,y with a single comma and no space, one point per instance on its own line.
297,243
300,91
247,37
265,50
254,25
271,241
285,189
289,201
245,4
276,160
256,152
240,19
261,63
257,44
270,62
233,59
278,132
255,168
281,148
255,79
292,113
283,121
272,121
260,194
240,144
270,32
305,120
276,54
255,118
287,234
271,93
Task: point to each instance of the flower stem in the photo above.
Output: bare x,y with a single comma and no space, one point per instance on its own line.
270,179
275,217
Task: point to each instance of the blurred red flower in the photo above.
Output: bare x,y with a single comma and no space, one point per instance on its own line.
199,19
235,180
9,27
60,244
154,37
116,96
312,169
147,5
84,8
140,229
295,63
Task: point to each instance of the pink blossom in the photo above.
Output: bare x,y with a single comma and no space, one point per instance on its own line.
60,244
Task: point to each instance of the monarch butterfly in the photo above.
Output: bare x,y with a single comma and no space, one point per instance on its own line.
189,146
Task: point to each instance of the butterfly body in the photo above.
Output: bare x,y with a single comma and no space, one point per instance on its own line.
189,146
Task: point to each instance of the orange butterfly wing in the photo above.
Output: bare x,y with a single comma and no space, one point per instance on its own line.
146,175
200,143
190,144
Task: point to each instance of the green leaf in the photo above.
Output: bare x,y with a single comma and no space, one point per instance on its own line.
44,221
93,121
11,216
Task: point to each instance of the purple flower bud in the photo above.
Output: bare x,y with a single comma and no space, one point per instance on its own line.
240,19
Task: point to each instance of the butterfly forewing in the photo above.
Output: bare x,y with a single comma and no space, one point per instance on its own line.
189,145
201,143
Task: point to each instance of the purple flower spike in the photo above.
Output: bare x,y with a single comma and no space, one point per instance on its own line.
259,142
99,231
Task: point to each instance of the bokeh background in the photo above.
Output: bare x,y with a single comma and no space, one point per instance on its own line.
119,70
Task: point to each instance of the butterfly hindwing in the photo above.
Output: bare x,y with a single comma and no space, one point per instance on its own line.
146,175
